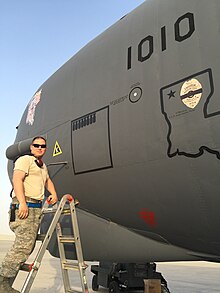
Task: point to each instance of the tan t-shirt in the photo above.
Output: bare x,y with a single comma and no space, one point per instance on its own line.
35,179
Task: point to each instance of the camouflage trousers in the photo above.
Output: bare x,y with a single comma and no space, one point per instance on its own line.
25,238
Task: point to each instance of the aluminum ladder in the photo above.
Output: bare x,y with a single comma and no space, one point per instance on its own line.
67,206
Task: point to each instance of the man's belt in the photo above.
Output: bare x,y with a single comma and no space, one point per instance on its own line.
27,199
29,204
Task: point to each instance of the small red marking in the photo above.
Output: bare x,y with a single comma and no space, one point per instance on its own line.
30,267
70,198
148,217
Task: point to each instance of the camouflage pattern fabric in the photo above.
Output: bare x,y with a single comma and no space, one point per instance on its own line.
25,237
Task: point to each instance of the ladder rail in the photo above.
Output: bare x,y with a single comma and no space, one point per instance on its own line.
78,245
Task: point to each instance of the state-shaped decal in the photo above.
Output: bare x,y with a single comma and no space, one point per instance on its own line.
184,104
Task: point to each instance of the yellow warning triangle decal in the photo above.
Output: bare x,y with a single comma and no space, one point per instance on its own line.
57,150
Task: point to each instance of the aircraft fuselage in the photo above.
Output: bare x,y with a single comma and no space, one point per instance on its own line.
132,123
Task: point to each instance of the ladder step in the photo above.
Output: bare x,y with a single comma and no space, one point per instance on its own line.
66,239
53,211
49,211
41,237
67,265
70,265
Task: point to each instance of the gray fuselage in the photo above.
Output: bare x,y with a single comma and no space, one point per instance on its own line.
135,114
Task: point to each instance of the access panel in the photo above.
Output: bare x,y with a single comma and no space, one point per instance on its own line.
91,147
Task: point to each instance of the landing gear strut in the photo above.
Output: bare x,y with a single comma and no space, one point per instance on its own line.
118,276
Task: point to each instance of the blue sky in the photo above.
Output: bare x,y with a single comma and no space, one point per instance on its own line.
37,37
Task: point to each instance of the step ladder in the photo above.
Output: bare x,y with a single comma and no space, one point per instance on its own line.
67,206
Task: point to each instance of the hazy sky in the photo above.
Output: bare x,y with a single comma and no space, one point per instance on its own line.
37,37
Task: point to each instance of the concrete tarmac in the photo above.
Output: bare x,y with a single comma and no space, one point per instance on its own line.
182,277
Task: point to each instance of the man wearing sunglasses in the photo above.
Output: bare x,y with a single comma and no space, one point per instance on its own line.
30,177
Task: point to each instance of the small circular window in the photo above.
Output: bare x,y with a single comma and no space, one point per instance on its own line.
135,94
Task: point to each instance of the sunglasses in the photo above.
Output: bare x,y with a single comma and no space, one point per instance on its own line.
36,145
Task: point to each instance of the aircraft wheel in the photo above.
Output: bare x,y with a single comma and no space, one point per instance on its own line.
113,287
95,286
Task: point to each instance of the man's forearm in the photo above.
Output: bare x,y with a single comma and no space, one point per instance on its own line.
50,187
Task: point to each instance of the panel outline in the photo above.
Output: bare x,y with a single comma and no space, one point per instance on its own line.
109,142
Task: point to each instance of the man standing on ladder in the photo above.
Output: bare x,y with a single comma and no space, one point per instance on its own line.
30,178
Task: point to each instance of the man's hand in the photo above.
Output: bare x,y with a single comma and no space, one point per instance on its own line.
23,211
52,198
